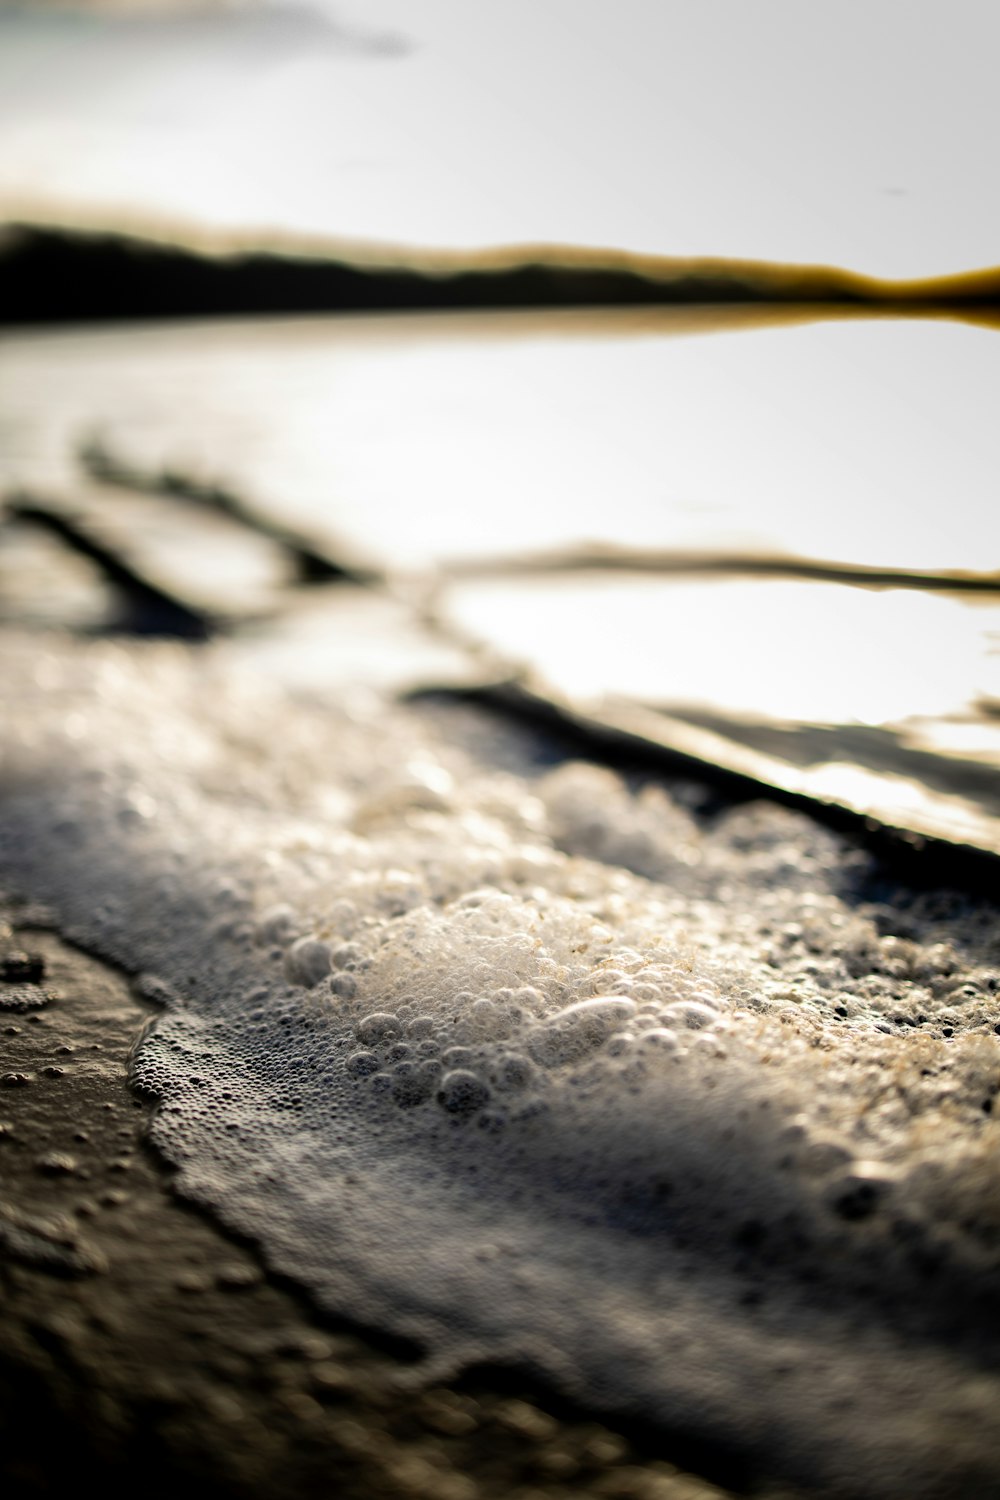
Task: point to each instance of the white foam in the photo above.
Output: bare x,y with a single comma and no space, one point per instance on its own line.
432,1042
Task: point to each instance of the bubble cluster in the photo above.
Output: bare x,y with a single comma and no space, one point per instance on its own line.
535,1065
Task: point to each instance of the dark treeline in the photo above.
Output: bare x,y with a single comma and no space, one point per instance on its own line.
57,276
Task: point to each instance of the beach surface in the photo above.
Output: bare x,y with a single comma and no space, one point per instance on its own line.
532,1097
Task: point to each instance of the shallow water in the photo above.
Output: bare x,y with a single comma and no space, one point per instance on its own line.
753,529
417,441
689,1116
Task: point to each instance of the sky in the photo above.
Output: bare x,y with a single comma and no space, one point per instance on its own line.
861,135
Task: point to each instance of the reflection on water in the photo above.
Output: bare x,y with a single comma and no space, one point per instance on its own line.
877,702
785,651
411,442
434,449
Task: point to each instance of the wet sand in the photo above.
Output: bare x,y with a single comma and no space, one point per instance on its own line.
156,1347
145,1350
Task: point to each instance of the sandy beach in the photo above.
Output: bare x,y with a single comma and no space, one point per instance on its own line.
499,751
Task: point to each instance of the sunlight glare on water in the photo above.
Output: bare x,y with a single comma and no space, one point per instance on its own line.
414,442
788,650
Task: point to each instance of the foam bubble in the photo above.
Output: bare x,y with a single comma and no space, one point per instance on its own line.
462,1092
308,961
732,1118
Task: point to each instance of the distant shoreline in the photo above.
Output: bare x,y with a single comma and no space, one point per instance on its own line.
62,275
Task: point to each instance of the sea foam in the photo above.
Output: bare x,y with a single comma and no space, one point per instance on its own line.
684,1117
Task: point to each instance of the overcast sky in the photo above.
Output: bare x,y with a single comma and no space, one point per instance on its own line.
862,133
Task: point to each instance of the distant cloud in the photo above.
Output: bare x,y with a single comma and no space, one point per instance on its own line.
240,25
